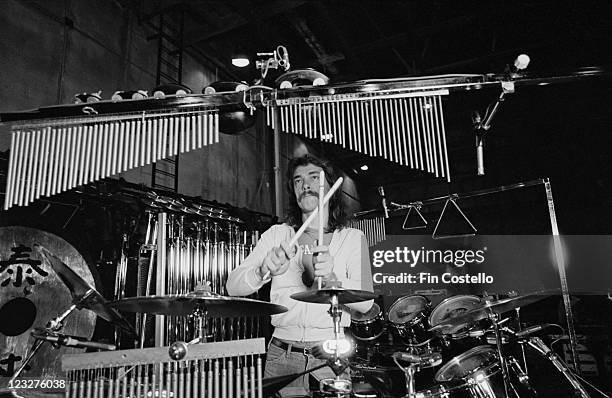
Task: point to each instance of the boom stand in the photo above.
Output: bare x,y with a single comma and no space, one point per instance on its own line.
54,325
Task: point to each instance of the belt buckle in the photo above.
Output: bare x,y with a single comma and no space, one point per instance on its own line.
306,351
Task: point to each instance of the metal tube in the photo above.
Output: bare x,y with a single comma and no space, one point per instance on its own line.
259,378
443,133
177,134
397,136
23,198
13,166
50,176
386,134
87,154
405,132
164,138
60,156
252,377
198,139
96,153
113,141
42,174
277,171
371,123
148,140
216,126
416,131
428,111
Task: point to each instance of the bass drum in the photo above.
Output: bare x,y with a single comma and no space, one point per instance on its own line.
30,295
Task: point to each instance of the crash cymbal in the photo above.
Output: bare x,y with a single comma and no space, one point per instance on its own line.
491,307
186,304
83,295
323,296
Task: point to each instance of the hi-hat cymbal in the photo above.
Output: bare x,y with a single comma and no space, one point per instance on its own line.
186,304
83,295
323,296
491,307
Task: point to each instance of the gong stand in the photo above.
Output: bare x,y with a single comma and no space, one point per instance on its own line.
54,325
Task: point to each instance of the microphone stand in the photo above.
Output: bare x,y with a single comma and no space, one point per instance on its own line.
482,126
561,366
53,326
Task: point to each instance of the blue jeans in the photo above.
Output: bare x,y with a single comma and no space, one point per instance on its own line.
285,361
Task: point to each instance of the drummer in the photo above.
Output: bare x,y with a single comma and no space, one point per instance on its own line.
342,257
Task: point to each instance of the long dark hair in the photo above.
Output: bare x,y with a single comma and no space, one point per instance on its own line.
337,216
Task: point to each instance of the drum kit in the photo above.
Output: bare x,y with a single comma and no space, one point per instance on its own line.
464,339
428,338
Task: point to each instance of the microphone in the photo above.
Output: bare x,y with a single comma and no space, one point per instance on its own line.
480,154
381,192
70,341
532,329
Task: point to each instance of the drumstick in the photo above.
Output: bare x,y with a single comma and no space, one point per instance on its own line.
321,195
311,217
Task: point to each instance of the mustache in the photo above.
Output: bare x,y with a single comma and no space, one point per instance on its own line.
305,193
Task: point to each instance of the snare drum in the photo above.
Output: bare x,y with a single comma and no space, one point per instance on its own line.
478,369
367,326
408,318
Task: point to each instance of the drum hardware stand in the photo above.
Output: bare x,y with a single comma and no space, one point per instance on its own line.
522,376
549,354
336,314
498,342
54,325
150,245
523,354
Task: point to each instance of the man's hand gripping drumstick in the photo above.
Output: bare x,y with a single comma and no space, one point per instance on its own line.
277,260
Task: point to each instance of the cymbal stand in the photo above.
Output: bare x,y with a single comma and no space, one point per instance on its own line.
498,342
336,313
523,355
55,325
199,315
549,354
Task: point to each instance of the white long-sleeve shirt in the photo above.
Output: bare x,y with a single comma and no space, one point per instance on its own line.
305,321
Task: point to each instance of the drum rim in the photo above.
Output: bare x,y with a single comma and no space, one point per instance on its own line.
446,301
369,338
457,360
373,319
416,317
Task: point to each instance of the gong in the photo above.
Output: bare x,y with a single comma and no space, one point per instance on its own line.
31,294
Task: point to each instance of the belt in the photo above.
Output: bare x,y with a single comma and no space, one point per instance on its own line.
284,346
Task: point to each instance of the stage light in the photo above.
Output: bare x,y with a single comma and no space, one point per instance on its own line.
364,167
240,60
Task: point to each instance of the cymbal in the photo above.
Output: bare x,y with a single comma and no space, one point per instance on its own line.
488,307
323,296
83,295
216,306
